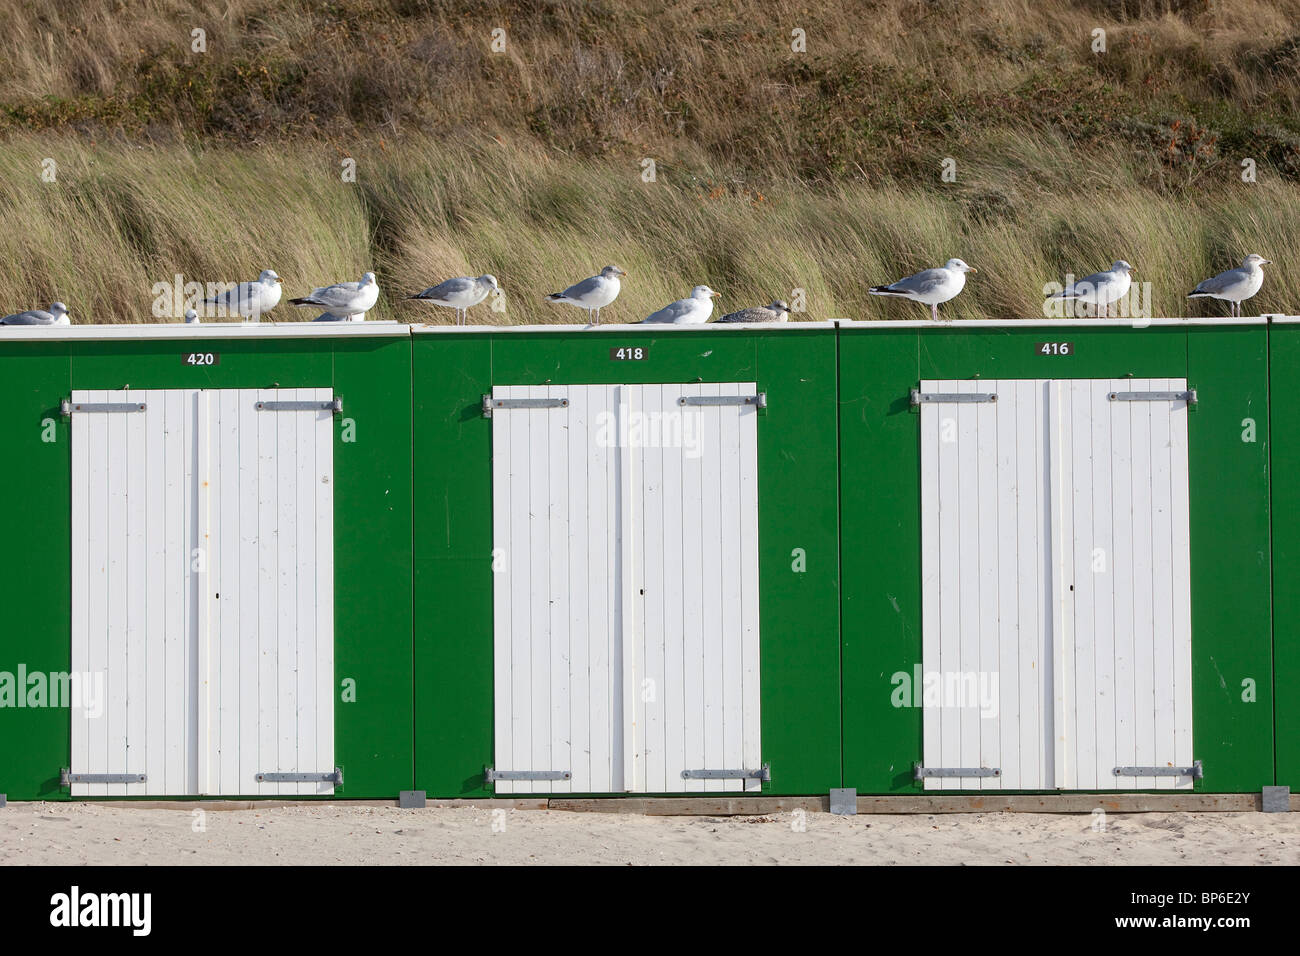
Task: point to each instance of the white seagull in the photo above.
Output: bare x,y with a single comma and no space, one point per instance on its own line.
461,293
1234,285
593,294
336,317
344,299
191,317
1101,288
249,299
57,314
694,310
930,286
778,311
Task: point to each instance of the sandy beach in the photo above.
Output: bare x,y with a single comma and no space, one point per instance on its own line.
49,833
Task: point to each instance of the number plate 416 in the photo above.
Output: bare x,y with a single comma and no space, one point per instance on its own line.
1054,348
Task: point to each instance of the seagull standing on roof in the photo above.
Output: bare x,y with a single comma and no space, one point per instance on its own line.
461,293
693,310
249,299
593,294
930,286
1101,288
57,314
191,317
778,311
1234,285
344,299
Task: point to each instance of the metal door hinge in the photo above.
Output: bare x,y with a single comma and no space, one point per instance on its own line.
1188,396
762,773
490,403
67,406
334,776
919,397
490,775
919,772
334,405
67,777
1195,770
757,401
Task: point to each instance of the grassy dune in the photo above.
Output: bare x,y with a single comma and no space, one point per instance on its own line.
776,170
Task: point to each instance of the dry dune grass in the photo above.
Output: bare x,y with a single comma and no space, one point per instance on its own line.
776,170
118,219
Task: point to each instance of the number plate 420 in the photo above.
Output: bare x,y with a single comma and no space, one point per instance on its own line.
201,358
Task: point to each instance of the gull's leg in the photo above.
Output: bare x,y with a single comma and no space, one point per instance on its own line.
934,313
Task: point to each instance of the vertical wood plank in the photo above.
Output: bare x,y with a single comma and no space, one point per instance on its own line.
747,501
932,617
1123,572
326,687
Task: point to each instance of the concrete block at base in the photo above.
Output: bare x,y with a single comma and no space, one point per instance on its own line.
844,801
1276,800
411,799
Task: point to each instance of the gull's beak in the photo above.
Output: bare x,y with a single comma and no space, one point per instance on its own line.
715,293
971,269
277,278
1267,262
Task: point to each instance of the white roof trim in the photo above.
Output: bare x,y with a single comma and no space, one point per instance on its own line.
210,330
636,327
1054,323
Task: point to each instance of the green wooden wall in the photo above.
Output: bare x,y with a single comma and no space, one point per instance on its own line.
881,515
838,478
798,508
373,736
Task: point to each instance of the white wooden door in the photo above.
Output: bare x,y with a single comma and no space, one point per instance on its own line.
626,589
1055,584
202,590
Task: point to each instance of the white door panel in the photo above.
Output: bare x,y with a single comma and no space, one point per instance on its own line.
202,590
1055,562
625,600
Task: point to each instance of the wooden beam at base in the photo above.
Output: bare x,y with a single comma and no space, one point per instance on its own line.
920,803
1067,803
719,806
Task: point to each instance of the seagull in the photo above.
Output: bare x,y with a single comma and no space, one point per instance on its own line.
344,299
778,311
461,293
593,294
1234,285
249,299
1101,288
191,317
930,286
694,310
57,314
336,317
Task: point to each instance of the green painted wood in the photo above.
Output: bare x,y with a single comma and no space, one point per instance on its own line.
35,590
798,508
373,736
1284,419
1232,654
879,448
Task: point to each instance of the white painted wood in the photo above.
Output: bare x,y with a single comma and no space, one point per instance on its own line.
174,516
1056,555
629,605
714,614
644,645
